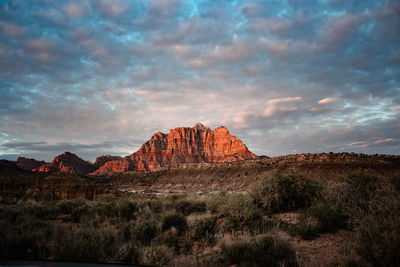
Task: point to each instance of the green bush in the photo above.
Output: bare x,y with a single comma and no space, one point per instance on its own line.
174,220
285,192
372,205
145,231
308,231
239,211
267,251
318,219
204,229
126,209
214,201
186,207
378,239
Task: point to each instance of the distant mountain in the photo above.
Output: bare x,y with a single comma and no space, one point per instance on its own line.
67,163
196,144
29,164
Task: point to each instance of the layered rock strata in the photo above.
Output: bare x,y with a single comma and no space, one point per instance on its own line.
196,144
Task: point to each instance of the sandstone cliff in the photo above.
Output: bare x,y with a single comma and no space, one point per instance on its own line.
67,163
101,160
29,164
182,145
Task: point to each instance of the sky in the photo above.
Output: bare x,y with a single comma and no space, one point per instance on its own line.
292,76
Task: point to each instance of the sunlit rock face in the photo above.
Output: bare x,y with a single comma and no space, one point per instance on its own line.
67,163
182,145
29,164
101,160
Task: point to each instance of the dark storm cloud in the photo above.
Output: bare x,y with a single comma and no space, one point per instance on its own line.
284,76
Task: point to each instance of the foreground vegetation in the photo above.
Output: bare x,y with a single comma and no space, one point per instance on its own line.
214,230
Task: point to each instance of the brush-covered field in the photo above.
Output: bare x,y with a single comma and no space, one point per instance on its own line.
284,220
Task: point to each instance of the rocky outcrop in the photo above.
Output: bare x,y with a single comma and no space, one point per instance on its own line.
101,160
29,164
67,163
16,183
182,145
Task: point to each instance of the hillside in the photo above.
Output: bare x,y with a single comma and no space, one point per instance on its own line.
239,176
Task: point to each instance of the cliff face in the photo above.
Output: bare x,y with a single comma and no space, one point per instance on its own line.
101,160
67,163
182,145
29,164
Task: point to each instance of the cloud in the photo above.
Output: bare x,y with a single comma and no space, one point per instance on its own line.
356,143
384,141
338,28
311,76
328,100
10,29
277,105
74,10
112,8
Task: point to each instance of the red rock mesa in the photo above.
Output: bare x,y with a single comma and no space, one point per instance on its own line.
182,145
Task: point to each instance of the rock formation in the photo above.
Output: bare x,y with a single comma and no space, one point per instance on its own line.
67,163
182,145
16,183
101,160
29,164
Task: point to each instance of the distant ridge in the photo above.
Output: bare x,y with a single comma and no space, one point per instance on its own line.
197,144
67,163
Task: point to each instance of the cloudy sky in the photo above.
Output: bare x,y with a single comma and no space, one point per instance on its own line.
290,76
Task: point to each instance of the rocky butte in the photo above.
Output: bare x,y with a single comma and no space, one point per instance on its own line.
67,163
29,164
198,144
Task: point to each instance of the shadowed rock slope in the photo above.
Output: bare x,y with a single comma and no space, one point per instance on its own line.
240,176
20,184
67,163
29,164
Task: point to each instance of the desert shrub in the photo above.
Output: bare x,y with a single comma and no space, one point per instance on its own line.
320,218
175,197
186,207
395,181
155,205
126,209
102,244
67,206
239,211
170,238
266,251
156,255
214,201
26,238
372,205
285,192
308,231
174,220
204,229
145,231
378,239
329,220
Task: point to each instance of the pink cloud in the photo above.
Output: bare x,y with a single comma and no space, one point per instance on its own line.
276,47
356,143
74,10
328,100
383,141
276,105
337,28
10,29
112,8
